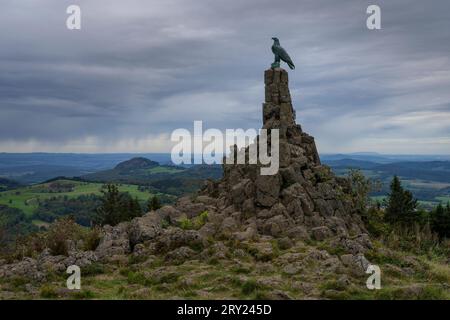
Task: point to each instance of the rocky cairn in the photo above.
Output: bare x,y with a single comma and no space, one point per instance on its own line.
303,200
304,203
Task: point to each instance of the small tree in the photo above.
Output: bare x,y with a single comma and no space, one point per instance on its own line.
109,211
117,207
153,204
440,221
131,207
360,189
370,212
401,205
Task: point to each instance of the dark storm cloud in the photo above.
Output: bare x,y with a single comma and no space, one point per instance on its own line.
139,69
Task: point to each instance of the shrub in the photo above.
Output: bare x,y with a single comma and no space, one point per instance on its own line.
60,232
137,278
201,219
360,187
415,238
92,239
18,282
249,286
93,269
374,222
29,245
186,223
56,239
83,294
194,223
48,292
440,219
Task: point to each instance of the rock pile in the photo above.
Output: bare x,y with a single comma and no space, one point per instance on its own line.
303,200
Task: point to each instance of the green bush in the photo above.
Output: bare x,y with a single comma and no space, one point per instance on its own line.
249,286
415,238
194,223
374,222
137,278
440,221
93,269
48,292
60,232
56,238
82,294
19,282
186,223
201,219
92,239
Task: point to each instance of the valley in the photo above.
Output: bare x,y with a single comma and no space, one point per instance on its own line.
64,193
28,198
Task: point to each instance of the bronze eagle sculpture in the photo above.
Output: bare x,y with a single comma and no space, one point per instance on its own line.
280,54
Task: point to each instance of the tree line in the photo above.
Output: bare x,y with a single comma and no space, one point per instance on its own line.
399,210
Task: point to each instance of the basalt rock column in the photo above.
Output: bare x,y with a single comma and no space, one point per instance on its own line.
303,198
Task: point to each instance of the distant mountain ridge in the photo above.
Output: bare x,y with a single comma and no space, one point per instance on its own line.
168,179
351,163
31,168
422,170
136,163
137,169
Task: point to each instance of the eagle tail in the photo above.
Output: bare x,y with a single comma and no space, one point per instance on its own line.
291,65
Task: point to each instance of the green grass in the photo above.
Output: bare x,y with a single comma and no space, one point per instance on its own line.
26,198
249,279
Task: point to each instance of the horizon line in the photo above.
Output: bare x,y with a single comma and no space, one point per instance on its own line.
367,153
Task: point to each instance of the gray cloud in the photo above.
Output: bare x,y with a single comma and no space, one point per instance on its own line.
139,69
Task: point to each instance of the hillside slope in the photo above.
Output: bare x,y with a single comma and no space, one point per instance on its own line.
172,180
296,234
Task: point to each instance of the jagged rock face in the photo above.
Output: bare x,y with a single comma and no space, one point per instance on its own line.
302,194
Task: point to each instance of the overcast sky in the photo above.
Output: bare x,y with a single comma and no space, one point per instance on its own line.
140,68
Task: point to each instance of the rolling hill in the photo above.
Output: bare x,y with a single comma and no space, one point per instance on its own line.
428,177
28,198
139,170
174,180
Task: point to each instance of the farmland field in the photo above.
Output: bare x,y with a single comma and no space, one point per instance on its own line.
27,198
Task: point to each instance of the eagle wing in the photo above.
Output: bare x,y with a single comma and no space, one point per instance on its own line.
285,57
